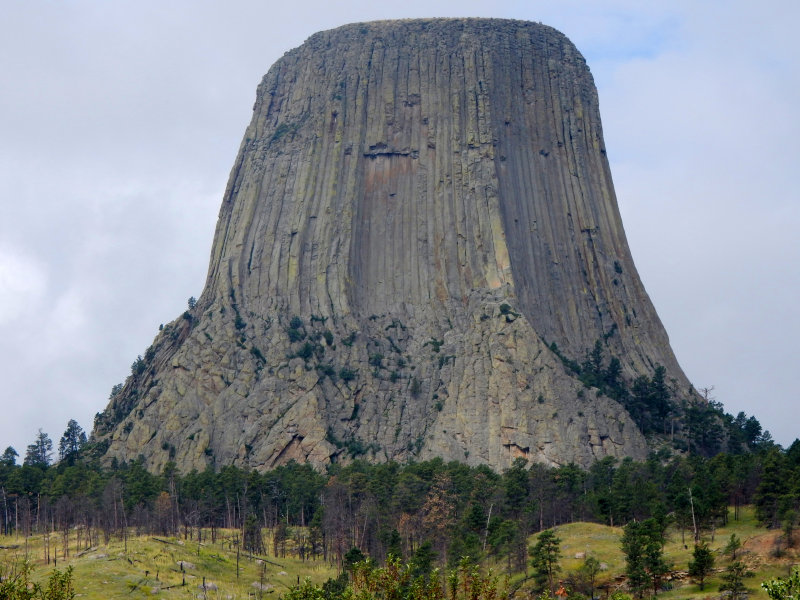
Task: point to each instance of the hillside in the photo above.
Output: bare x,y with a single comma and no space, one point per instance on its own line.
757,552
144,566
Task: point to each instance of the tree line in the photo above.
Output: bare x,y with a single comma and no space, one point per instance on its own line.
433,512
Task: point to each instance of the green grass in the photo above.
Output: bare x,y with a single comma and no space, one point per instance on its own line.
150,564
150,567
758,545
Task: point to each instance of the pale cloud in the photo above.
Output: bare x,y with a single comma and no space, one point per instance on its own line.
23,283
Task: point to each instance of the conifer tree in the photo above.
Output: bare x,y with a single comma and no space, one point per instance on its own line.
544,559
733,580
701,564
71,442
9,458
733,545
40,452
644,556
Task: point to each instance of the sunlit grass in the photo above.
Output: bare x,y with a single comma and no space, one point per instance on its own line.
146,565
151,565
758,545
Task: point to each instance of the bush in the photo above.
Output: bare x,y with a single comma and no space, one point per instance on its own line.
305,591
347,374
778,589
257,354
306,351
296,335
20,586
327,370
138,367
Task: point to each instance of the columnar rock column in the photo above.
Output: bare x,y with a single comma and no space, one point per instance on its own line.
419,227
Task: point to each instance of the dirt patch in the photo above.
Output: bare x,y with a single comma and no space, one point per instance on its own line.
763,544
769,547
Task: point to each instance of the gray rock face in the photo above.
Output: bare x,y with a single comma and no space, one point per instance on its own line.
417,211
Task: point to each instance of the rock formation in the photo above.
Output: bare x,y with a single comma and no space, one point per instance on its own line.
419,226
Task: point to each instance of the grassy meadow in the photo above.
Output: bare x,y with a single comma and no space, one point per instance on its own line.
757,552
146,566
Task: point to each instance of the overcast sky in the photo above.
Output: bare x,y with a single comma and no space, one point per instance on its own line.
120,121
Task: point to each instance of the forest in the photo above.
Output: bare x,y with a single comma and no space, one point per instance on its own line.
432,511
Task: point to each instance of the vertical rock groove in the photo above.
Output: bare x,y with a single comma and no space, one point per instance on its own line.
418,209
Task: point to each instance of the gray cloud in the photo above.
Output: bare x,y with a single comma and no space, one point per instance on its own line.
120,122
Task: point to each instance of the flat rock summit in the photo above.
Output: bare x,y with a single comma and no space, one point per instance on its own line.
418,248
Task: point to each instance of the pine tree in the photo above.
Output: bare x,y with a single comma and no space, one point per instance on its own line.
590,569
544,559
701,564
644,556
733,580
9,458
395,544
71,442
252,541
733,545
40,452
772,488
654,558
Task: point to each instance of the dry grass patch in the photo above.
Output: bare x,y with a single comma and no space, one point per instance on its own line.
152,566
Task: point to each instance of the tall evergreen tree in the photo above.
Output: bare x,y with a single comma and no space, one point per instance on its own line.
644,556
590,569
733,580
659,398
252,541
544,559
701,564
633,546
40,452
772,487
9,458
71,442
654,561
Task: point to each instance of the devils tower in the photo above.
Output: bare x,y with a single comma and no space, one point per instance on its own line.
418,235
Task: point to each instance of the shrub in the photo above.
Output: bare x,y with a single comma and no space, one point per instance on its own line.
306,351
327,370
434,344
138,366
296,335
347,374
257,354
